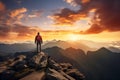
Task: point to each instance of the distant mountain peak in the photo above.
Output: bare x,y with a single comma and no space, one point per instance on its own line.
103,49
70,48
55,48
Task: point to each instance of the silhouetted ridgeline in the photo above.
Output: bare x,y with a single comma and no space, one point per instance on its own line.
96,65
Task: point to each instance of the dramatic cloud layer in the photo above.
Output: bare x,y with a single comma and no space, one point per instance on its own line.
18,13
2,6
67,17
106,14
93,29
11,26
18,29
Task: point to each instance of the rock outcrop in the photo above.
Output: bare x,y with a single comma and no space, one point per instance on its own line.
42,65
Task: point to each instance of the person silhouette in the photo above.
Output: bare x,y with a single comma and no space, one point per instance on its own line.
38,41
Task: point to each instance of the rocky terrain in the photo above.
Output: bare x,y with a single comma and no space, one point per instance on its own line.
101,64
37,67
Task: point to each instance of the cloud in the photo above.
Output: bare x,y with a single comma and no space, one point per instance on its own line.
35,13
23,30
77,2
107,11
106,14
17,12
71,2
20,31
85,1
2,6
12,16
4,31
11,27
19,2
94,29
67,17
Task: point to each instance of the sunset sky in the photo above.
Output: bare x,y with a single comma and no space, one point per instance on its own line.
96,20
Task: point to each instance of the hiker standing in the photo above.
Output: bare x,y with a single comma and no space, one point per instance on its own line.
38,41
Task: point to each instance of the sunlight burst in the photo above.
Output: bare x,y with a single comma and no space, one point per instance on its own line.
73,37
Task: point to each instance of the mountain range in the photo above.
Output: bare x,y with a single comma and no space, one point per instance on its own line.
80,44
101,64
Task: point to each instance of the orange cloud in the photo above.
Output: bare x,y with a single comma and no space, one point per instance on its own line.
71,2
17,31
67,17
22,30
11,27
85,1
20,16
106,15
94,29
17,12
13,16
2,6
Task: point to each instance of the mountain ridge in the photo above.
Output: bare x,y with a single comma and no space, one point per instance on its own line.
96,65
38,67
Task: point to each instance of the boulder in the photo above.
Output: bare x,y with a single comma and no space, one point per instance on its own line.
7,75
17,60
66,76
20,58
75,74
52,64
38,61
66,66
20,65
52,74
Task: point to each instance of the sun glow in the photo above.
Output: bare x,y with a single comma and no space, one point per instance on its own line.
73,37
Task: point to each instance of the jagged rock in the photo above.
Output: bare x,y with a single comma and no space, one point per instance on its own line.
39,60
66,66
55,66
7,75
51,70
75,74
51,61
65,75
54,75
20,58
3,68
52,64
20,65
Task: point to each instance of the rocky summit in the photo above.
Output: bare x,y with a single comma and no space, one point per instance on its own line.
38,67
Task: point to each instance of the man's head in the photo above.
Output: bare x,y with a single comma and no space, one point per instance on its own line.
38,33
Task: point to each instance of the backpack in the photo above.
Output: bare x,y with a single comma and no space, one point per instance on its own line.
38,38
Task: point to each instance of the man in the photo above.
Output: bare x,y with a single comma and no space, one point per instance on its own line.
38,41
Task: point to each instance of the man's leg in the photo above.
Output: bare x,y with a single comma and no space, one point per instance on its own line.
40,47
37,47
